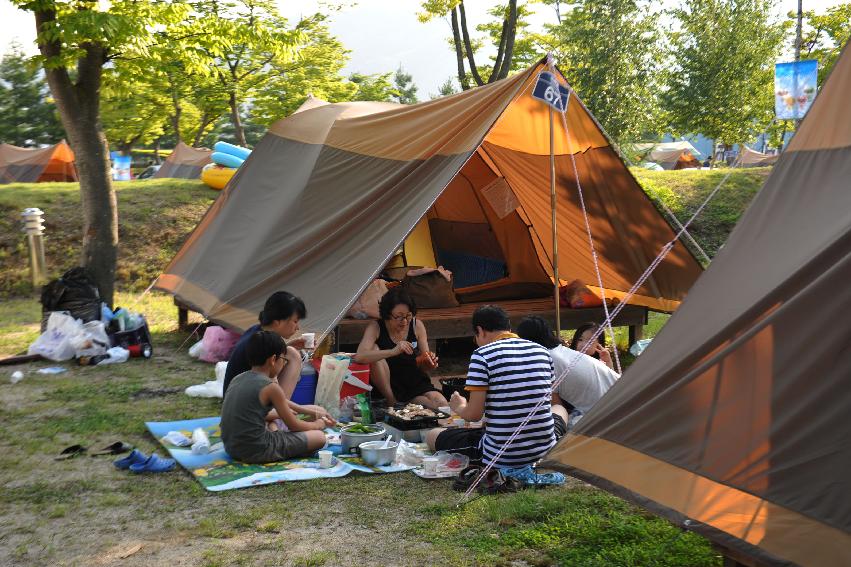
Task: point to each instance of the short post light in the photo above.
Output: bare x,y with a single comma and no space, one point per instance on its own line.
33,219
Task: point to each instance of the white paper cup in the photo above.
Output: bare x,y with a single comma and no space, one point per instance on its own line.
326,459
445,409
430,465
458,422
309,340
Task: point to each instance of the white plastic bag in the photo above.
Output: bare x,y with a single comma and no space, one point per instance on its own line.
93,341
332,371
638,347
116,355
211,388
55,343
196,350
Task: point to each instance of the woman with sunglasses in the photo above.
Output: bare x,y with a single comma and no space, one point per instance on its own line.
391,345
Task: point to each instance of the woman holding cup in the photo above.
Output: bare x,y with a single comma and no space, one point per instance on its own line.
396,346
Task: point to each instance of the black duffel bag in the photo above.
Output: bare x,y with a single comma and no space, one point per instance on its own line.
75,292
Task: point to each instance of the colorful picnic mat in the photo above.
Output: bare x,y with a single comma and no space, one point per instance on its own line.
217,471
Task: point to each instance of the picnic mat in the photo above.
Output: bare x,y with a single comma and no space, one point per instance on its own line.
217,471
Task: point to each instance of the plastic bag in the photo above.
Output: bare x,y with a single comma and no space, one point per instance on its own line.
638,347
409,454
77,292
365,410
55,342
332,370
218,344
196,350
117,355
93,341
211,388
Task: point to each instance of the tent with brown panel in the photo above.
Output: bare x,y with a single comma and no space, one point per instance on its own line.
752,158
31,165
670,155
184,163
331,192
735,421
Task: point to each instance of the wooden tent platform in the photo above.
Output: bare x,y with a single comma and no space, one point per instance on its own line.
454,322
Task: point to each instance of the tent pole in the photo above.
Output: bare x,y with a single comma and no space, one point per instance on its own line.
555,230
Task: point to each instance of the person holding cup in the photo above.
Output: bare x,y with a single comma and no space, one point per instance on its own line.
281,315
392,346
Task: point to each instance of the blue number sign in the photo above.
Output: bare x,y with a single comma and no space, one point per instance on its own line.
550,91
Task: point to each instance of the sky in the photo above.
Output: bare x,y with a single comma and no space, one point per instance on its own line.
381,34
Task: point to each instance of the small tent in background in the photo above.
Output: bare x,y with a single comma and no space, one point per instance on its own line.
735,421
670,155
184,163
752,158
30,165
331,192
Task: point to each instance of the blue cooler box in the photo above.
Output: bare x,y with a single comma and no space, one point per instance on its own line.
305,390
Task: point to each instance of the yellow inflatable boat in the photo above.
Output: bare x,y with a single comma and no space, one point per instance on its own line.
216,176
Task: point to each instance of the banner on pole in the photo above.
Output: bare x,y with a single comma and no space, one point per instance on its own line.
795,85
549,90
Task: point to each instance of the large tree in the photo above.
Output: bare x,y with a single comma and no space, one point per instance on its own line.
824,35
77,40
317,70
722,65
27,117
465,46
618,79
253,40
375,87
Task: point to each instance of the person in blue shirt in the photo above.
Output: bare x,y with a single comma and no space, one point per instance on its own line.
281,314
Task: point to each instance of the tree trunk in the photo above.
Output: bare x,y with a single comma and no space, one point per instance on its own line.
157,151
459,53
468,46
79,108
500,53
175,117
509,41
239,132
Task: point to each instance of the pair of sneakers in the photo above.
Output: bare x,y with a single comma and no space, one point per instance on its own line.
139,462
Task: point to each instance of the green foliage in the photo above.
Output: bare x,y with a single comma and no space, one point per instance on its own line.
27,116
447,88
722,68
405,87
619,80
824,35
375,87
316,70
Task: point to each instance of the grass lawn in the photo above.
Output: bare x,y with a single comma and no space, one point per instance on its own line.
84,512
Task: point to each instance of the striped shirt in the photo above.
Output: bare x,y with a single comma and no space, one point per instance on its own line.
517,374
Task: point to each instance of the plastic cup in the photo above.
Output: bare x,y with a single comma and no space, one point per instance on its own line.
309,340
458,422
445,409
430,465
326,459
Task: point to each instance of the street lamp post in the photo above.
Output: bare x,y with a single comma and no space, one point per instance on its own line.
34,229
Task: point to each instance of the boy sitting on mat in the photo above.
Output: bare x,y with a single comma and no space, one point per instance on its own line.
252,395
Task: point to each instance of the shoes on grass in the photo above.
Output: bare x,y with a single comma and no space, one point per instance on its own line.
114,449
153,464
134,458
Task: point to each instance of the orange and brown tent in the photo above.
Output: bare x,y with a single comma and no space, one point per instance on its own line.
331,192
184,162
30,165
735,421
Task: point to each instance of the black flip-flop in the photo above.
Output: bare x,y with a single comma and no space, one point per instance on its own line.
466,478
71,452
116,448
497,483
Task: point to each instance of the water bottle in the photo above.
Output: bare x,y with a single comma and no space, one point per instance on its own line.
200,442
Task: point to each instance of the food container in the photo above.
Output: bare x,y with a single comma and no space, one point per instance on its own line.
419,422
376,454
350,440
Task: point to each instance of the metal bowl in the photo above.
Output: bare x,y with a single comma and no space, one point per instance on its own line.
350,440
374,453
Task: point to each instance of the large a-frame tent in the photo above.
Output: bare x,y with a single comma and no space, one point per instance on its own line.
30,165
752,158
735,421
184,163
331,192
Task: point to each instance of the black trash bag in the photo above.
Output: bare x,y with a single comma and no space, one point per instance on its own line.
75,292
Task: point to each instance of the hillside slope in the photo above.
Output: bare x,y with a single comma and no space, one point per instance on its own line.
156,216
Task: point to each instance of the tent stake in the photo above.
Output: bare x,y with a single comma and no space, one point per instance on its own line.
555,230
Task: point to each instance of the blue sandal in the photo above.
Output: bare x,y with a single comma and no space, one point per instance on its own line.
153,464
531,478
134,458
